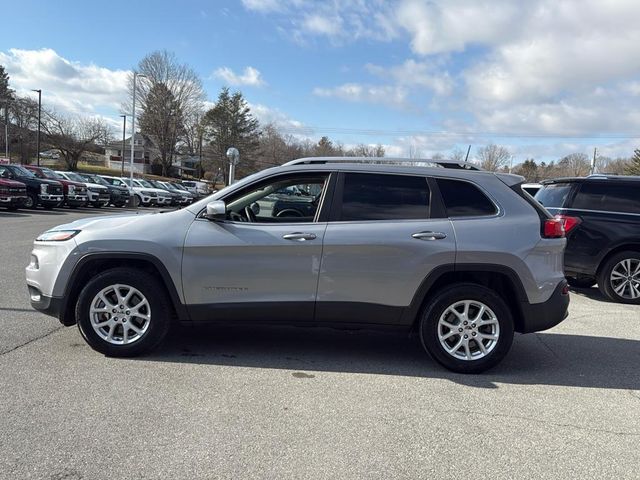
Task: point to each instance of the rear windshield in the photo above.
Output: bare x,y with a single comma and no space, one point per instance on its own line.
553,195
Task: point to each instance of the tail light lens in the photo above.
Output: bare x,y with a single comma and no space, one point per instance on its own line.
553,228
569,223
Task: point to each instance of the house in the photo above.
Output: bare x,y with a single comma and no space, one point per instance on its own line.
144,151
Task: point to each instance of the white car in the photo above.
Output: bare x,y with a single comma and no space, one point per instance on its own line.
99,195
200,189
162,196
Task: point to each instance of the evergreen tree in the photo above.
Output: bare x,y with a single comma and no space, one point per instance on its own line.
634,166
5,92
230,123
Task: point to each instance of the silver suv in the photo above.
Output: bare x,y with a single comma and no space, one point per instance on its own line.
462,257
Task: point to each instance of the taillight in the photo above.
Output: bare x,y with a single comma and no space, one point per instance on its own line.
553,228
568,222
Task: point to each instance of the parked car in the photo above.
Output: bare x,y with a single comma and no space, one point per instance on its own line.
601,214
118,195
163,198
199,189
40,191
75,193
145,196
462,257
187,197
13,195
175,197
532,188
98,195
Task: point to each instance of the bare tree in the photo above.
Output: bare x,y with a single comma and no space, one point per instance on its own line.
457,155
494,157
575,165
73,136
170,95
363,150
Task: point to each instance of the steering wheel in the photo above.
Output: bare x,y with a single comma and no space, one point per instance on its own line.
251,217
236,217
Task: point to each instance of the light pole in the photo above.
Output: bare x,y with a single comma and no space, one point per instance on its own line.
39,123
6,129
124,131
234,157
133,127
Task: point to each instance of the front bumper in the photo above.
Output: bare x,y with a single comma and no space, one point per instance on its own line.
164,200
542,316
13,200
101,198
76,200
46,198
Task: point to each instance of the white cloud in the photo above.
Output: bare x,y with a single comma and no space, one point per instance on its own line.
250,76
69,86
394,96
416,74
322,25
262,5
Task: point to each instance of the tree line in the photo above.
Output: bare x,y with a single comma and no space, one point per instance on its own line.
173,114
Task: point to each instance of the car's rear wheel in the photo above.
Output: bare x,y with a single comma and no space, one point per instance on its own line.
467,328
123,312
581,281
619,278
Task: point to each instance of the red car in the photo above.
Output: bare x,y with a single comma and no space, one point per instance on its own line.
13,195
75,193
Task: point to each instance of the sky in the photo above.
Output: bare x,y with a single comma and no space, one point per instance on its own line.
543,78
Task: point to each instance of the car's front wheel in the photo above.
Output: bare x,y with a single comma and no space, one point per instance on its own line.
123,312
467,328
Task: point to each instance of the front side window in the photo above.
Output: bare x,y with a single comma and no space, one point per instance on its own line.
608,197
371,196
464,199
282,200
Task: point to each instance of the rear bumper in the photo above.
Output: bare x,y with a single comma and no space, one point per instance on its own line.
542,316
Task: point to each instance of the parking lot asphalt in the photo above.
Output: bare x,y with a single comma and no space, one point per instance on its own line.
239,402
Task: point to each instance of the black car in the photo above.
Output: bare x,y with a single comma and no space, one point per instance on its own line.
119,196
601,215
40,191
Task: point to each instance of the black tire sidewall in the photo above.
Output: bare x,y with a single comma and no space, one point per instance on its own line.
34,201
604,278
155,295
433,310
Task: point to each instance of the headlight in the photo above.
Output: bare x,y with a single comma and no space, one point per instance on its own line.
43,188
94,189
4,191
57,235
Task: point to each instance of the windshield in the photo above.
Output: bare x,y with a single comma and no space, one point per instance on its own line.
144,183
18,170
75,177
97,179
48,173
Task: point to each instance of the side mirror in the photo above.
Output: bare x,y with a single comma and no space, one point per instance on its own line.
216,210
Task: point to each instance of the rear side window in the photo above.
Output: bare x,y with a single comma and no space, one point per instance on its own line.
554,195
369,196
463,199
608,197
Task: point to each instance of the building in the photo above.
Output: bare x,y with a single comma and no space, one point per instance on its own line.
144,152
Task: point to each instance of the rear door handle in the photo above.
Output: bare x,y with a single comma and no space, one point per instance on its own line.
299,236
429,235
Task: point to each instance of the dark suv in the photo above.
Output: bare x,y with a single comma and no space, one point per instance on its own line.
601,214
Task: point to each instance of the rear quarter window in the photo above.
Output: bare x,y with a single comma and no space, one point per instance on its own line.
464,199
605,196
554,195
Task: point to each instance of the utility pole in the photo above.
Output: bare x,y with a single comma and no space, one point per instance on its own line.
124,131
133,129
39,122
466,159
593,162
6,129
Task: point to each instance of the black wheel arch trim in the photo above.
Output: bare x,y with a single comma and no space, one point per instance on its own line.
66,316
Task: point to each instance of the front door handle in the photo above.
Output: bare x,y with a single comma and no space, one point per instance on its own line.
429,235
299,236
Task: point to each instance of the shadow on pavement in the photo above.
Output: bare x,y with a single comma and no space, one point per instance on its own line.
593,293
535,359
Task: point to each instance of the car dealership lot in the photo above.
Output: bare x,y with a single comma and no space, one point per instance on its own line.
301,403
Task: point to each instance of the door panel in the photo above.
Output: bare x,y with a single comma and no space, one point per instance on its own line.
243,269
379,265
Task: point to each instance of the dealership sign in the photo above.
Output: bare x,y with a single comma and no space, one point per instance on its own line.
4,161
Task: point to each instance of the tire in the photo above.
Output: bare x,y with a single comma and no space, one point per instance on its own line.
613,281
498,322
31,201
150,331
136,201
96,205
582,281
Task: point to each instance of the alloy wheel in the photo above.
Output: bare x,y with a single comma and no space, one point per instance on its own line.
120,314
625,278
468,330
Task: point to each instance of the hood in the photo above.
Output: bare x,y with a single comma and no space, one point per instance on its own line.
5,182
95,185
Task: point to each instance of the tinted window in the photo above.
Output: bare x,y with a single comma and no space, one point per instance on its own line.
554,195
384,197
463,199
609,197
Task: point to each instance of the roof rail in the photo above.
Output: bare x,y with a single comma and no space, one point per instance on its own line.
386,161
